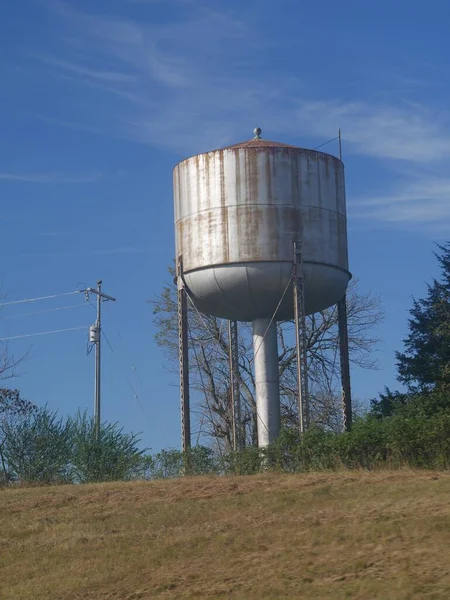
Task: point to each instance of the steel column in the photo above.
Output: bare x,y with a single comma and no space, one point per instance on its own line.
345,363
184,358
300,334
234,384
267,383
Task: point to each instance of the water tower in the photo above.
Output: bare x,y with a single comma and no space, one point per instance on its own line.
261,236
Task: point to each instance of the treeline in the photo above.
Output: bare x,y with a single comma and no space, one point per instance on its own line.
400,441
408,428
39,448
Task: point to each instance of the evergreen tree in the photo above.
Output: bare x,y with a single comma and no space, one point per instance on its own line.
424,366
388,403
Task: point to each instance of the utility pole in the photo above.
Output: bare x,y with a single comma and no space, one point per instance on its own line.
95,337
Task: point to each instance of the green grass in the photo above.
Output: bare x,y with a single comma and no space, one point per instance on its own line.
342,535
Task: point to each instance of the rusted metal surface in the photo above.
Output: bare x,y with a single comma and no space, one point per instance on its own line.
300,337
238,211
235,399
345,364
259,143
184,359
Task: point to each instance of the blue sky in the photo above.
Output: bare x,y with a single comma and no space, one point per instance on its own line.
100,99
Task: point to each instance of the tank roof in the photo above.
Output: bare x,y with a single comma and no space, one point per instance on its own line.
258,142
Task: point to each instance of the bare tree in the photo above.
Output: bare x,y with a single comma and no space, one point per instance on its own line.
12,408
8,363
209,362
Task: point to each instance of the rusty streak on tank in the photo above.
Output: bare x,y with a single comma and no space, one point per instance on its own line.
238,211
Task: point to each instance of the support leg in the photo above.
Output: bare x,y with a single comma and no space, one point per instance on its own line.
300,333
184,360
345,363
234,384
265,347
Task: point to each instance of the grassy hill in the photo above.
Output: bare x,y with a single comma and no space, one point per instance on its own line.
341,535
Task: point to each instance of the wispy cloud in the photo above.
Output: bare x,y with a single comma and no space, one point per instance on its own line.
119,250
164,88
407,132
49,178
51,234
191,104
423,199
153,1
86,72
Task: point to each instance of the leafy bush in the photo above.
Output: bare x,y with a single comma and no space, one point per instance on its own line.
115,456
199,460
37,448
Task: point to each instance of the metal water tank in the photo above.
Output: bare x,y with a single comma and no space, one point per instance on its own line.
238,211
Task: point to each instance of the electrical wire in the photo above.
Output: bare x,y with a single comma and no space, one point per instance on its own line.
325,143
200,427
208,407
204,323
197,360
42,312
124,356
215,338
271,320
39,298
107,341
136,397
27,335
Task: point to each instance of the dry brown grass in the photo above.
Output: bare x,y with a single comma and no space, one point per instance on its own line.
344,535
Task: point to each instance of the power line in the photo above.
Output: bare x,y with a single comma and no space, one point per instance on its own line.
42,312
124,356
40,298
136,397
27,335
107,341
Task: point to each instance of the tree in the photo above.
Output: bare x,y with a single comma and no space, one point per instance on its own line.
388,403
424,366
8,363
37,447
13,410
209,362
